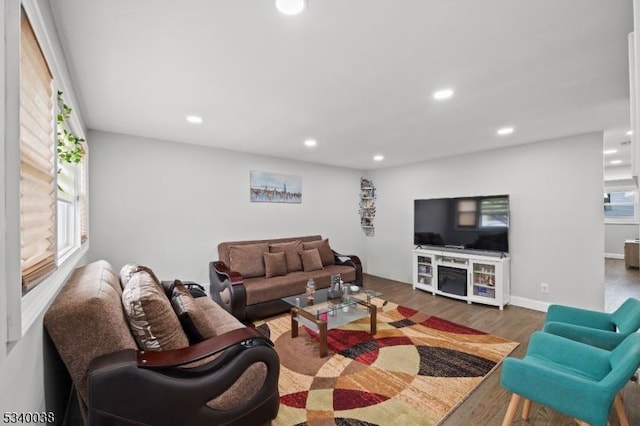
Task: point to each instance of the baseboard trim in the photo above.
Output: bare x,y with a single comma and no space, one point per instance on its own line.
614,256
523,302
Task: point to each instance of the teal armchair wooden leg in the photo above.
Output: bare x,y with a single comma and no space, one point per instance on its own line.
511,410
622,417
526,409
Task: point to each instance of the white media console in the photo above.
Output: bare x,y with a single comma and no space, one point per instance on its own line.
462,274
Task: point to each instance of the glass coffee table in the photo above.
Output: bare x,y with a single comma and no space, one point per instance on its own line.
325,314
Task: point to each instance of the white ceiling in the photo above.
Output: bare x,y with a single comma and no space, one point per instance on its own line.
356,75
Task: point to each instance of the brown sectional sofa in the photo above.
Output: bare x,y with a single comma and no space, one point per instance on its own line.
229,377
249,282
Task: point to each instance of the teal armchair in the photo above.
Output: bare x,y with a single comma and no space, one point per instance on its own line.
575,379
600,329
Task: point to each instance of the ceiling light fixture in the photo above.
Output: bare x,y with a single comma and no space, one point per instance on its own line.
505,131
378,157
442,94
630,132
194,119
291,7
609,151
615,162
310,143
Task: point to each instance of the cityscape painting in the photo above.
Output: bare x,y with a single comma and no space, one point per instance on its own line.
275,188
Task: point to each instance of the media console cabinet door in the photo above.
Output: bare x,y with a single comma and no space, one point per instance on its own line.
631,254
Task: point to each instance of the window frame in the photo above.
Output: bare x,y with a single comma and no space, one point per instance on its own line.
19,313
636,205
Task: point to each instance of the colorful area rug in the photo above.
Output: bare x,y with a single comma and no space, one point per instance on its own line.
414,371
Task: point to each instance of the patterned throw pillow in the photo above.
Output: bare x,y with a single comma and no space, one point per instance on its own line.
127,272
152,321
275,265
247,259
291,251
323,248
311,260
193,318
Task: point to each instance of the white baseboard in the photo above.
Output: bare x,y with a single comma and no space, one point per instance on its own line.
614,256
523,302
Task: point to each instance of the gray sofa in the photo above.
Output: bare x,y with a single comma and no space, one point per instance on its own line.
241,280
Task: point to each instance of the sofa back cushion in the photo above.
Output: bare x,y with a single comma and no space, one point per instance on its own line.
323,248
151,318
291,250
248,259
86,320
224,247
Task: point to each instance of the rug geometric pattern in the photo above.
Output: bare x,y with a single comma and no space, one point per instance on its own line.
414,371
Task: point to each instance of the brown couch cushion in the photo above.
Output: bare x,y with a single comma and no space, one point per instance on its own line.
89,300
263,289
225,247
311,260
323,248
193,318
152,321
247,259
291,251
275,264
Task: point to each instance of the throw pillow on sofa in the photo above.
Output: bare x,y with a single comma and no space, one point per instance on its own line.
291,251
247,259
152,321
192,317
275,264
311,260
323,248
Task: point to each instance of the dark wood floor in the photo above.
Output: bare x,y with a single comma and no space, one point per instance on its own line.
488,403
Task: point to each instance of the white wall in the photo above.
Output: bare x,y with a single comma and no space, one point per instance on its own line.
615,235
167,205
557,224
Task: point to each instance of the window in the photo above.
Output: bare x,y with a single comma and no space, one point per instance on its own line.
37,162
621,206
483,212
494,212
467,213
52,191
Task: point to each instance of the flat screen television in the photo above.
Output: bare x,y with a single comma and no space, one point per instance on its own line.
471,223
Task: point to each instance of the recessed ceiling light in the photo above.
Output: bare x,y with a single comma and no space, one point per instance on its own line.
630,132
609,151
291,7
442,94
615,162
505,131
378,157
310,143
194,119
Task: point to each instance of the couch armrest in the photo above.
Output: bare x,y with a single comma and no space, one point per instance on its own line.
245,336
225,273
120,391
351,260
226,288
